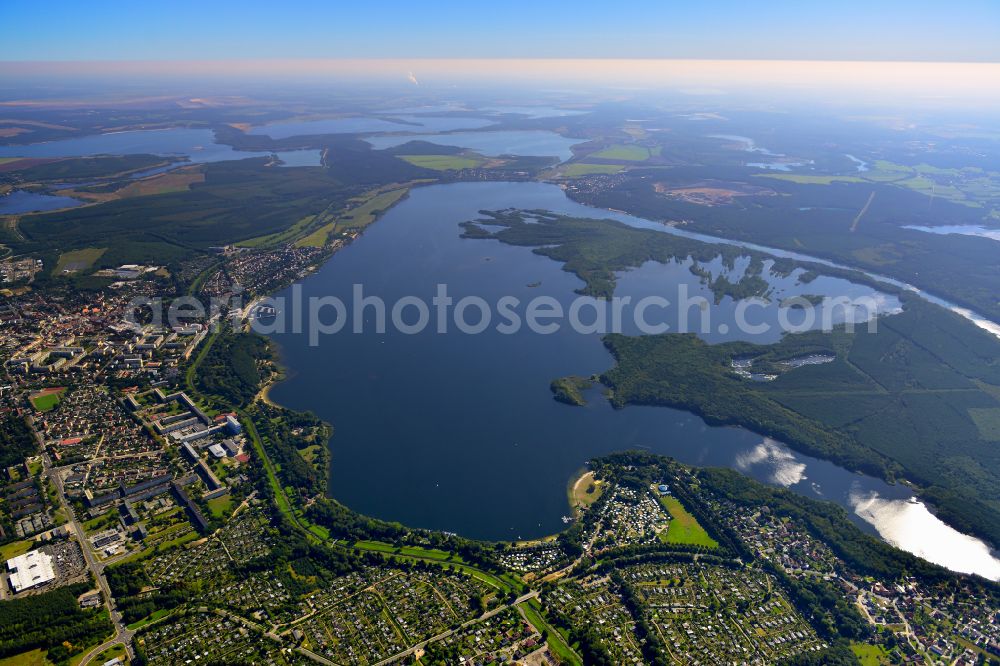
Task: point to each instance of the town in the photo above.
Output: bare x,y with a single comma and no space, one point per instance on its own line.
151,494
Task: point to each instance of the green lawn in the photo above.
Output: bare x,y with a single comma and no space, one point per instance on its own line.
579,169
443,162
684,528
557,645
870,655
166,545
625,152
220,507
503,583
153,617
15,548
33,658
101,522
109,654
410,551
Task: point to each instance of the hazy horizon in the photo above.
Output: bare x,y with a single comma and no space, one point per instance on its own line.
934,84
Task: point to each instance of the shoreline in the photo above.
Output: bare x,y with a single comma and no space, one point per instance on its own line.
573,483
283,372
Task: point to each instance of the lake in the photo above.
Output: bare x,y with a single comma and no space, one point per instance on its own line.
359,125
460,432
535,143
536,111
197,145
20,201
959,229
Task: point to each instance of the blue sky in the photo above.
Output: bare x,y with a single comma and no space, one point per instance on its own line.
962,30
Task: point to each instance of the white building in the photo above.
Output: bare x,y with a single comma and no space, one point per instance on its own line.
30,570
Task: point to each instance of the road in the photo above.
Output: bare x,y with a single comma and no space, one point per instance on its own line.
122,633
587,548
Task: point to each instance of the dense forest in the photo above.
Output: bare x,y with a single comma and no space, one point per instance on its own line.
16,441
816,219
594,250
49,621
283,434
232,370
918,399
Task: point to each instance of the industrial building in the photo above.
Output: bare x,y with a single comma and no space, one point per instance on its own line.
30,570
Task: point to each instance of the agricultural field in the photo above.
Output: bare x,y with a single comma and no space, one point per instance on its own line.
273,240
317,238
971,187
444,162
165,183
626,153
369,208
237,201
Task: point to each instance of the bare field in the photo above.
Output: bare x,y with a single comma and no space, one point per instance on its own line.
177,181
711,194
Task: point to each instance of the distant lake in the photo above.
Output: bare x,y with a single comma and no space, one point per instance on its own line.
535,143
20,201
197,145
539,111
959,229
299,158
461,433
859,163
749,145
656,279
536,111
409,123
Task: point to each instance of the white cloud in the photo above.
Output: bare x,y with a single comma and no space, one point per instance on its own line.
784,470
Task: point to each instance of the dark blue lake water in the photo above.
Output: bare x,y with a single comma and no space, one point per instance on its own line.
20,201
460,432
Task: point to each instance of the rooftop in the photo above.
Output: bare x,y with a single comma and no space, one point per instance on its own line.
30,570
